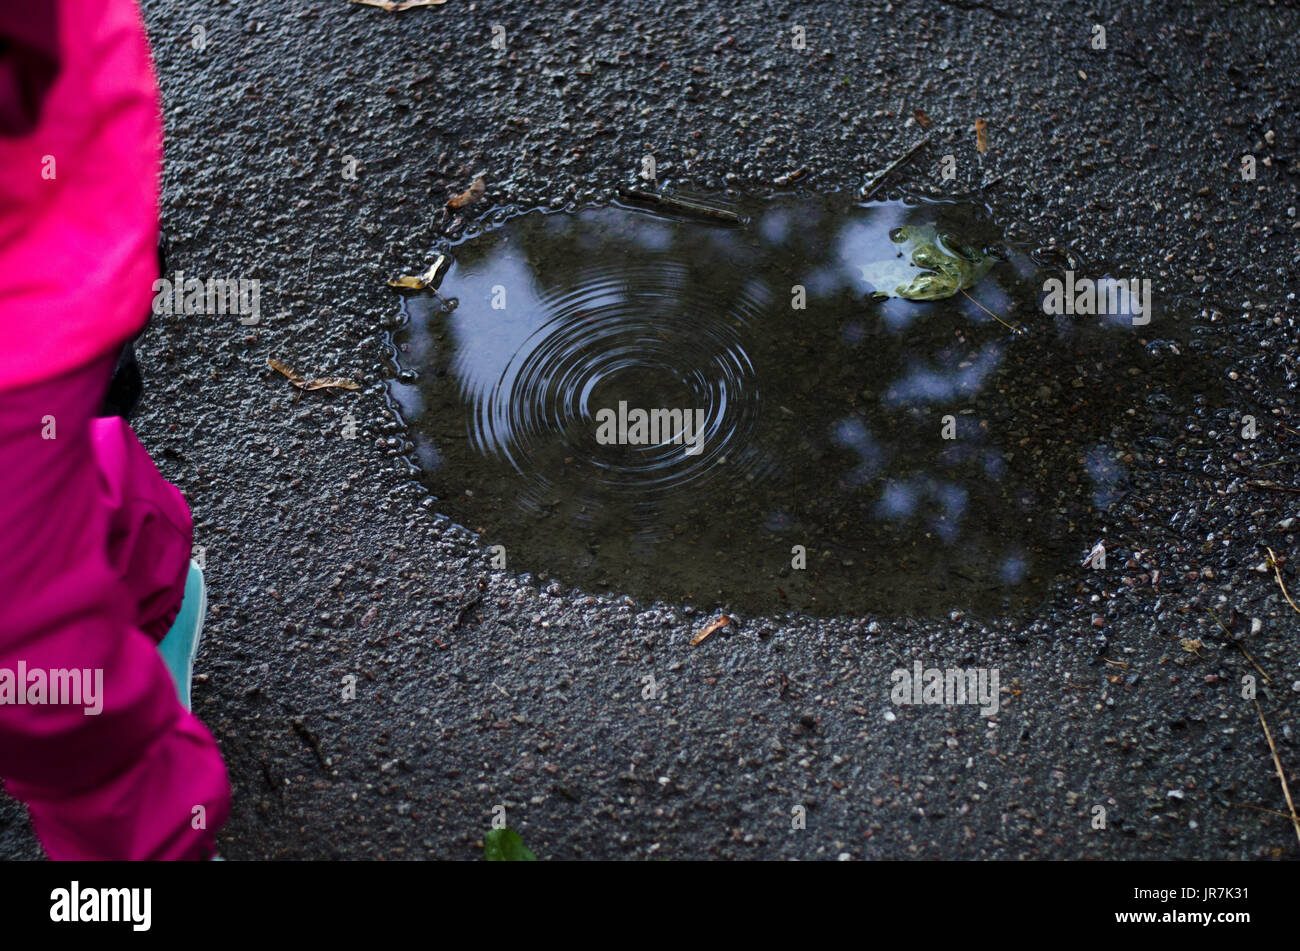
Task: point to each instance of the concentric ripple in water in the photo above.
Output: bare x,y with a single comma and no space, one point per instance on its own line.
616,336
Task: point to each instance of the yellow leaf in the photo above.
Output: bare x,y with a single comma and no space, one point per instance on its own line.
422,283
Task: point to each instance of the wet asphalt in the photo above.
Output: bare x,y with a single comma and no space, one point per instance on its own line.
477,688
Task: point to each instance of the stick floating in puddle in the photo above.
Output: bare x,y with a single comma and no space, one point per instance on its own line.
683,205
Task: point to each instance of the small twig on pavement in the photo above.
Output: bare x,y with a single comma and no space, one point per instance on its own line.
1233,640
1272,485
1272,560
1249,805
876,182
1281,775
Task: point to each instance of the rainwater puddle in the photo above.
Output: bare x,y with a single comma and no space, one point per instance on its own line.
633,402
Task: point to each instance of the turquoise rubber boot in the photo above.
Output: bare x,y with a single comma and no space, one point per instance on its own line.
181,644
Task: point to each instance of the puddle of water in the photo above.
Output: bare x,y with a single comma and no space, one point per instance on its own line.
787,436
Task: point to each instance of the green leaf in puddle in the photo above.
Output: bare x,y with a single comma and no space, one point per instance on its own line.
505,845
947,264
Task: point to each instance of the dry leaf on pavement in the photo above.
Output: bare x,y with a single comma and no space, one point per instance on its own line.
469,196
322,383
716,624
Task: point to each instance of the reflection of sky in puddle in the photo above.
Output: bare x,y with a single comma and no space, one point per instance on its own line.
1117,303
1013,569
944,502
930,384
1113,307
852,434
1108,477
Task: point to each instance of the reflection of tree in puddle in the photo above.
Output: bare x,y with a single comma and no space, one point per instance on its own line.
824,427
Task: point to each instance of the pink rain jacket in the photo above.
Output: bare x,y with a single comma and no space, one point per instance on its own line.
80,152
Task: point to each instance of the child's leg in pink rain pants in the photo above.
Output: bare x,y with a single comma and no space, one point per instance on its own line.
94,550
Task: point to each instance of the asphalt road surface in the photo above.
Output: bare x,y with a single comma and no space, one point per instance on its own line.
476,688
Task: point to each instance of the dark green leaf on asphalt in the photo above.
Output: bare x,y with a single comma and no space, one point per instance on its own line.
504,845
